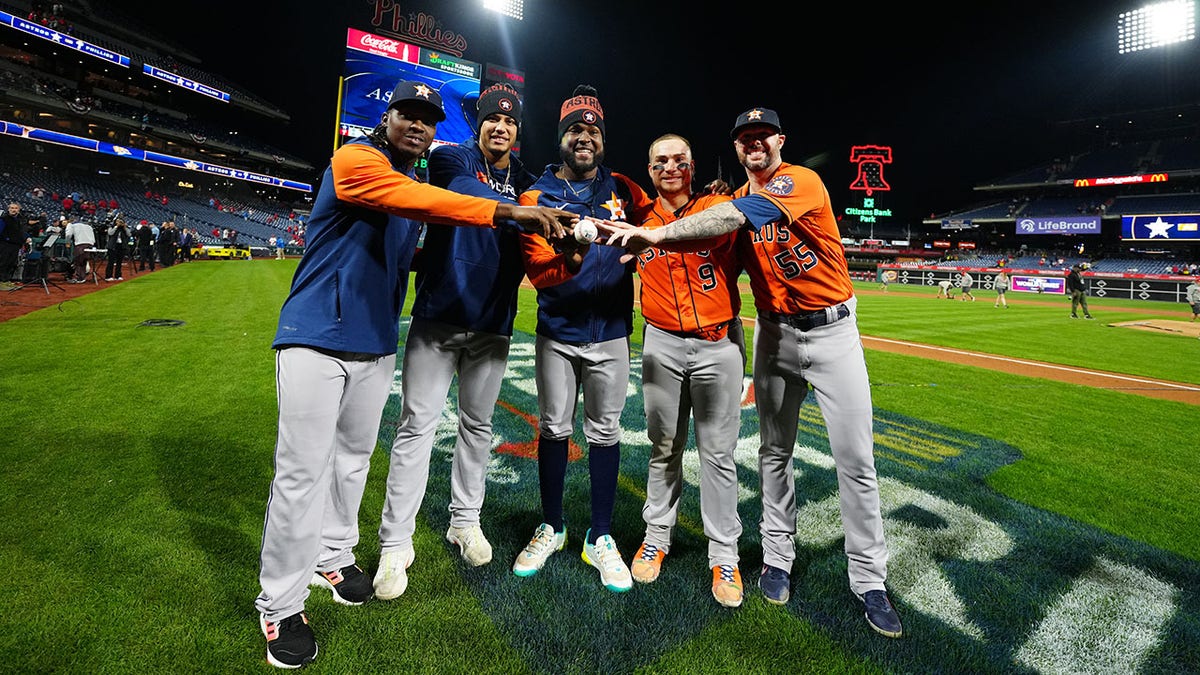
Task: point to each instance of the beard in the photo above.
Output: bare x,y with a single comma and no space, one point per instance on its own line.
767,159
567,155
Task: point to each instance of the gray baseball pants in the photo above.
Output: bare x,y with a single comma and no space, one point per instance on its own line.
600,370
830,358
329,414
433,353
686,377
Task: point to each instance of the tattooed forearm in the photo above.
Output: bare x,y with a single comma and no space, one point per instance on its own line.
710,222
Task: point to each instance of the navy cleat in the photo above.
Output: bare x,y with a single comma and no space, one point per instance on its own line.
775,585
881,614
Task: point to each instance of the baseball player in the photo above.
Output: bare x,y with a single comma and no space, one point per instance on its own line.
965,281
336,355
693,360
945,289
806,335
462,325
582,343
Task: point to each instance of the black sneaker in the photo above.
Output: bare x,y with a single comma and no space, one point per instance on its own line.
776,585
350,585
881,614
290,642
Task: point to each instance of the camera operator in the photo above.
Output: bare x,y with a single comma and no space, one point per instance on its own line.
118,246
81,237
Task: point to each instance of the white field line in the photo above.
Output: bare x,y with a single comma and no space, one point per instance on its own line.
1038,364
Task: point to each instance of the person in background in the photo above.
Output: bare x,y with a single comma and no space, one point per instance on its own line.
144,240
945,289
693,360
1000,283
1193,298
280,243
335,358
13,236
81,237
1078,290
118,247
186,241
583,328
806,337
965,282
462,325
167,243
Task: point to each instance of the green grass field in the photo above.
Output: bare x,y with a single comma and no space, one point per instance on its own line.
1033,526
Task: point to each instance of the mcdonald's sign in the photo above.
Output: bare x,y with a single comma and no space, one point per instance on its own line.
1158,177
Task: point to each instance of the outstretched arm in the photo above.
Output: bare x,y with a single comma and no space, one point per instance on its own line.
549,222
711,222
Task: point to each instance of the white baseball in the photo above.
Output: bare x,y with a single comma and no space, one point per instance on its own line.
585,231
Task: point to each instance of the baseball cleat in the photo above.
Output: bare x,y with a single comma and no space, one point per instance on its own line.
647,563
349,584
545,542
290,642
472,545
604,556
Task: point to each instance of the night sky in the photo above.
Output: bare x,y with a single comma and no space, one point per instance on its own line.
961,98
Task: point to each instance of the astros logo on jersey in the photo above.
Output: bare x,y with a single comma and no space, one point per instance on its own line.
780,185
615,206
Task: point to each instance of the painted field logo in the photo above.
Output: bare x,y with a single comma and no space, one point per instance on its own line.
1011,587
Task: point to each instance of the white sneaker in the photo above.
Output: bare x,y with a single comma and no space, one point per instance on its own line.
472,545
544,543
604,556
391,579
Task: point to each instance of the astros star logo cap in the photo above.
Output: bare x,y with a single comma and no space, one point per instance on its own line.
756,116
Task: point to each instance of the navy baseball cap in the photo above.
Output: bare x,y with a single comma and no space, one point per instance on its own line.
412,90
756,116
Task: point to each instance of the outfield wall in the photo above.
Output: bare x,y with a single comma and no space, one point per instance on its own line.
1162,287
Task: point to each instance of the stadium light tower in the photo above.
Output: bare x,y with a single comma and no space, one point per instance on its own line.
512,8
1156,25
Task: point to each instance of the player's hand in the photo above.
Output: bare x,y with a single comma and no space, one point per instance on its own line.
549,222
717,187
632,238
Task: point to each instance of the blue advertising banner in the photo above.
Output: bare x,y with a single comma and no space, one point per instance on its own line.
184,83
1172,227
62,39
104,147
1059,225
374,64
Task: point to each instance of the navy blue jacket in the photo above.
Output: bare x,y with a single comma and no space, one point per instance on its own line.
349,287
596,305
469,276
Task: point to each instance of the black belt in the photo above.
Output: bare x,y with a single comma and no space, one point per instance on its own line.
808,320
714,333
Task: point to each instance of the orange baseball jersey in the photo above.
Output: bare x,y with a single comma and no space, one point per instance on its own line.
694,292
796,262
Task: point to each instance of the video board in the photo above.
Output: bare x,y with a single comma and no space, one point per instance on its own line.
374,64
